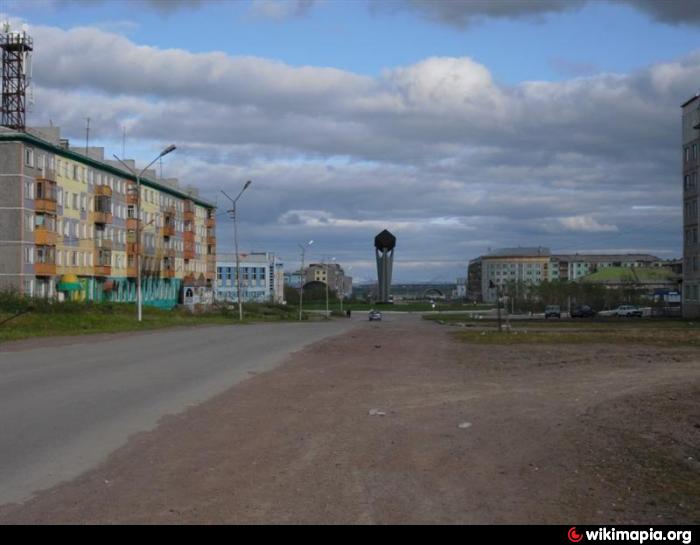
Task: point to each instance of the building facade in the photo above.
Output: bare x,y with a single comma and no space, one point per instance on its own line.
331,274
262,278
68,225
691,248
535,265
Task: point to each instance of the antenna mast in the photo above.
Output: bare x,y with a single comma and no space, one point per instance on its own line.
17,49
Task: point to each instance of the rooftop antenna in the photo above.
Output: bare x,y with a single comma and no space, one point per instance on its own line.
87,134
17,49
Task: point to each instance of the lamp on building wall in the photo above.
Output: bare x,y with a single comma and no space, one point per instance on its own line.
139,298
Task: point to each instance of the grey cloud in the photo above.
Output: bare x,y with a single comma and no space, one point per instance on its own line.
281,10
438,149
464,13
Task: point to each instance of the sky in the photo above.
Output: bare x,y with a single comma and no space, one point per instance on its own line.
460,126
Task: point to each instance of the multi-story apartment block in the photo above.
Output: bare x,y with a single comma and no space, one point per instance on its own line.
535,265
691,249
262,278
68,225
331,274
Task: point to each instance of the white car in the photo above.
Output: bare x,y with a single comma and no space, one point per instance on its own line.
629,311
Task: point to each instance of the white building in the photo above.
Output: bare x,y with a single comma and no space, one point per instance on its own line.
262,278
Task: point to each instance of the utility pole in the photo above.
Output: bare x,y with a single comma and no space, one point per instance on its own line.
498,302
234,216
301,275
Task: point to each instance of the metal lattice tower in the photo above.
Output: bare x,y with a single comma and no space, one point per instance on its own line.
16,54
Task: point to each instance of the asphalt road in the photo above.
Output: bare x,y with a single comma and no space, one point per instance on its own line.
65,407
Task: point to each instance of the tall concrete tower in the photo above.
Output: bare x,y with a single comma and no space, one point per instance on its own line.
16,75
384,244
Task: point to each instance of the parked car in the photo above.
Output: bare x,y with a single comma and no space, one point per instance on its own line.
375,315
552,311
582,311
628,311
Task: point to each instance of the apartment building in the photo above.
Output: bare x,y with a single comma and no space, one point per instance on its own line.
691,249
68,225
537,264
331,274
262,278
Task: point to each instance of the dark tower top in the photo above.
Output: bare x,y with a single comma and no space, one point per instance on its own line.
385,241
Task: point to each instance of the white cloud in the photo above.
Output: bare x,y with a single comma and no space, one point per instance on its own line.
436,150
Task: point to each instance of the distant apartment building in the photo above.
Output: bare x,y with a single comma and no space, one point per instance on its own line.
691,249
68,225
330,273
534,265
522,265
262,278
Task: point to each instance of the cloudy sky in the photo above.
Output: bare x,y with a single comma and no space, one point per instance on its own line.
460,125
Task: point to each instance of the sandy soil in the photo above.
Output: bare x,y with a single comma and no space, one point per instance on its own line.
550,434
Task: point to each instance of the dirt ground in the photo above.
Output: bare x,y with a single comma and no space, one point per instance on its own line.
585,434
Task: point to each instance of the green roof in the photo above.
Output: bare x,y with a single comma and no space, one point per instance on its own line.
69,154
635,275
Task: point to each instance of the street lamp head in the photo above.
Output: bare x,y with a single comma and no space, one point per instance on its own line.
247,184
310,242
167,150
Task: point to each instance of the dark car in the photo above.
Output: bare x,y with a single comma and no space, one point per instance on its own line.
552,311
375,315
582,311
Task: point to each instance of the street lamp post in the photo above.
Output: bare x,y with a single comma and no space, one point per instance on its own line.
139,298
328,277
301,275
234,215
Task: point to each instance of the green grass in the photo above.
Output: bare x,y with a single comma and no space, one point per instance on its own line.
664,337
598,324
81,318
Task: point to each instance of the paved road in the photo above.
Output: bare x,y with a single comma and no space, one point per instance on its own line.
65,407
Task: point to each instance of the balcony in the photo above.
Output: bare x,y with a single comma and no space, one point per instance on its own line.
189,252
211,222
103,270
44,236
45,205
188,236
103,191
168,273
169,230
45,197
131,248
48,174
189,211
44,269
103,243
102,217
132,272
45,260
132,224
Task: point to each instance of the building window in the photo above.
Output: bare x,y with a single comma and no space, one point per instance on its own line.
29,157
